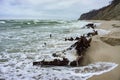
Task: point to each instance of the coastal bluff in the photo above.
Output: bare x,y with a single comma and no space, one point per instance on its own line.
109,12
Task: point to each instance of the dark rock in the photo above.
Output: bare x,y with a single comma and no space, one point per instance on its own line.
92,33
77,38
69,39
55,62
73,63
91,25
50,35
36,63
55,55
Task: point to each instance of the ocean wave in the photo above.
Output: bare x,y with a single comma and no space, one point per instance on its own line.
77,73
25,71
2,22
22,43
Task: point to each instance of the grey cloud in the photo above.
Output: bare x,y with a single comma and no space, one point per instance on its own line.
48,8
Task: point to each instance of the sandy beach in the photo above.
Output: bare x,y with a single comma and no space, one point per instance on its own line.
106,48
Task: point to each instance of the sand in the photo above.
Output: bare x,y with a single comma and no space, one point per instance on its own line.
102,50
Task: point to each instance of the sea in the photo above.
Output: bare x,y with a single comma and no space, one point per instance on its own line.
24,41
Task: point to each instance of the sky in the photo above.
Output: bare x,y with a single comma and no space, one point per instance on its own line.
47,9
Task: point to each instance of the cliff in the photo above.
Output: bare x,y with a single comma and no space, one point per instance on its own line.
110,12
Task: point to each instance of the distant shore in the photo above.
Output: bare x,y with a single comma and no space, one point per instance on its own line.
105,48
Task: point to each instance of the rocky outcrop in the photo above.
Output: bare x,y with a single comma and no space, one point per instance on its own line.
110,12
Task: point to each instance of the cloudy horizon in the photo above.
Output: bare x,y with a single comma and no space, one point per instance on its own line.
48,9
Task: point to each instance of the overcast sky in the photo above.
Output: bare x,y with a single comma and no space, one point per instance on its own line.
48,9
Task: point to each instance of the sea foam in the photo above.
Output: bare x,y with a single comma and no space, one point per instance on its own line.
21,46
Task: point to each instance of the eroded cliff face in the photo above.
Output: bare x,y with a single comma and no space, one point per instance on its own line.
110,12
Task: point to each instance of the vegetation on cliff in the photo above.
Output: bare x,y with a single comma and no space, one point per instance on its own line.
110,12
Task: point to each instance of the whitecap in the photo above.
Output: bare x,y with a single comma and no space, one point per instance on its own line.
2,22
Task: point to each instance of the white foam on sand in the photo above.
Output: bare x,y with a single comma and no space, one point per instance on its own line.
19,67
78,73
102,32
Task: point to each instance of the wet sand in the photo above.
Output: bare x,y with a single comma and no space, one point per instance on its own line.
105,48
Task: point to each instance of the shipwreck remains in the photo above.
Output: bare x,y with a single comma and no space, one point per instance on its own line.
81,45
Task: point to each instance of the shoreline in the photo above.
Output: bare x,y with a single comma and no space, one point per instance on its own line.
105,48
